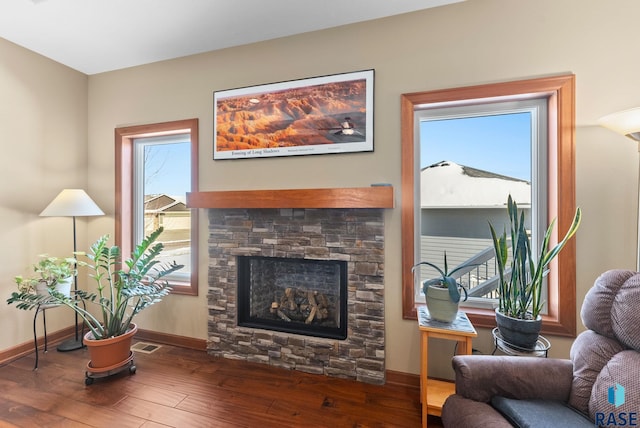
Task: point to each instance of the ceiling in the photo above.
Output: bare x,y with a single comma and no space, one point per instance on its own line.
94,36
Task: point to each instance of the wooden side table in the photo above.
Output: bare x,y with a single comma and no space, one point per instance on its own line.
433,392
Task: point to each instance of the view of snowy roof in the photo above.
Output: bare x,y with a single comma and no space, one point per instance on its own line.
447,184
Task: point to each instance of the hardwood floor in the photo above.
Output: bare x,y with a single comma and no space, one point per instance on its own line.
178,387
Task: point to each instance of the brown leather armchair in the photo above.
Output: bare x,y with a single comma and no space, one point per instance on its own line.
599,384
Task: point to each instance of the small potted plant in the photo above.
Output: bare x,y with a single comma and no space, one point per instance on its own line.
521,278
50,273
123,289
442,294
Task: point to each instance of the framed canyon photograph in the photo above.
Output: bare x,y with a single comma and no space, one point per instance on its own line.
319,115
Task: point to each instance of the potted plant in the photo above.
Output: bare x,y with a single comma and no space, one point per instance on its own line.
442,294
521,280
51,273
123,289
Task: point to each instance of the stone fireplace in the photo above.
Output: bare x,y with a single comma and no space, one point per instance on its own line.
351,237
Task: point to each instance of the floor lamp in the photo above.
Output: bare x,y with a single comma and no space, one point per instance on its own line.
627,123
72,203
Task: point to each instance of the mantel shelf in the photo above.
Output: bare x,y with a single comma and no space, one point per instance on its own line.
344,197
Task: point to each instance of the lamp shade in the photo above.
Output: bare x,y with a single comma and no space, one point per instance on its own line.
626,122
72,203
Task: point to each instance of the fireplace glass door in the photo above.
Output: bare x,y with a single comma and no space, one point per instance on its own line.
300,296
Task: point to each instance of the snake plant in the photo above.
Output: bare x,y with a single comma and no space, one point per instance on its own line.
520,294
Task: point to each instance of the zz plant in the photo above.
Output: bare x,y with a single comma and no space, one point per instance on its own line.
122,291
520,288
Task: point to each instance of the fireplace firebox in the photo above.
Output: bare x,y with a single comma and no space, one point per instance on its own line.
294,295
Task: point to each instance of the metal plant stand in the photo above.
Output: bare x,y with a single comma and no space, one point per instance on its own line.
541,349
92,373
41,308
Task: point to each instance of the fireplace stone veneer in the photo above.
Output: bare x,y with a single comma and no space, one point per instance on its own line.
352,235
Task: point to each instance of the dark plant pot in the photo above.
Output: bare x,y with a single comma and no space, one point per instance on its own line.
439,304
519,333
107,354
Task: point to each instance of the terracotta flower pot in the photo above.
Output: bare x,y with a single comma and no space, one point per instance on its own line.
110,353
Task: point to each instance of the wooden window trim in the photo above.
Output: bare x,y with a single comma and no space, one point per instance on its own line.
560,90
124,138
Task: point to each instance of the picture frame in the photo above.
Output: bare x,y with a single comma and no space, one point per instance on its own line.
318,115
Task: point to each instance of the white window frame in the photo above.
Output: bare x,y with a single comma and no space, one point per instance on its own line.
537,108
139,145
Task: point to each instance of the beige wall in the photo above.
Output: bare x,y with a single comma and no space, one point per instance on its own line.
474,42
43,119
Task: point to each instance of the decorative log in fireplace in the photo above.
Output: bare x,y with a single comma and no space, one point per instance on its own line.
300,305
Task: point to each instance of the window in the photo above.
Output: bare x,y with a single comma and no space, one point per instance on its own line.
558,180
156,165
472,158
161,177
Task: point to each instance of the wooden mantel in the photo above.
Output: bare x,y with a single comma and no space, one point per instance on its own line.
343,197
